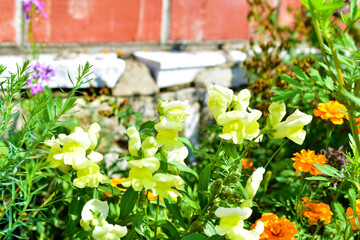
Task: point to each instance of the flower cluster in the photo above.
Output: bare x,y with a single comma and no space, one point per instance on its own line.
93,217
142,169
38,5
232,219
351,216
305,160
332,110
335,157
231,111
276,228
316,212
76,151
40,75
291,128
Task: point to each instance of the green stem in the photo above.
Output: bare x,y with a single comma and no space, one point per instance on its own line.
275,153
157,215
353,127
316,231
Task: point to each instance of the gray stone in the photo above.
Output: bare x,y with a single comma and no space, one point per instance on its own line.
224,76
136,79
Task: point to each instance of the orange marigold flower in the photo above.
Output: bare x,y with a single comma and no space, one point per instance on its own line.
246,163
331,110
358,125
305,160
316,211
114,182
276,228
350,215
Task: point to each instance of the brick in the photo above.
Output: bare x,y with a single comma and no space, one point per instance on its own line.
7,21
285,17
209,20
89,21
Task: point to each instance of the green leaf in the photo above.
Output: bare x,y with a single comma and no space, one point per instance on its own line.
352,198
230,150
128,202
329,83
340,211
301,75
175,211
195,236
309,96
317,178
351,97
183,168
110,189
328,170
186,142
353,9
211,128
140,227
315,76
291,81
189,201
147,125
345,18
168,226
216,237
204,180
283,94
323,96
74,214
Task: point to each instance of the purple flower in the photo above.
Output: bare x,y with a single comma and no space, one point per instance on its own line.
41,73
39,6
335,157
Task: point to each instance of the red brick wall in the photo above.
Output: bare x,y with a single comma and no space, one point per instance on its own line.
7,21
102,21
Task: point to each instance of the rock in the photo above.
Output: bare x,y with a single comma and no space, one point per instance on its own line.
136,79
224,76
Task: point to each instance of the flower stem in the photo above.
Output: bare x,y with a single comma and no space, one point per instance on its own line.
275,153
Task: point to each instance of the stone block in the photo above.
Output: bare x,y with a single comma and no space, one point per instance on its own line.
136,79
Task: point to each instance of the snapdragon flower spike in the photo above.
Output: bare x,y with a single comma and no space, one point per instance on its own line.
219,99
134,141
39,6
254,181
89,177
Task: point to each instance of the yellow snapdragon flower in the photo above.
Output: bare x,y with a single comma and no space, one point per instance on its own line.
109,232
242,100
134,141
173,111
232,224
254,181
89,177
239,125
219,99
178,154
55,148
164,182
291,128
93,214
140,174
168,139
149,147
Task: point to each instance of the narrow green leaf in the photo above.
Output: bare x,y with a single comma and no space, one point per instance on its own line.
175,211
204,180
110,189
167,225
74,214
315,76
317,178
195,236
351,97
328,170
352,198
147,125
186,142
300,74
211,128
183,168
291,81
353,8
128,202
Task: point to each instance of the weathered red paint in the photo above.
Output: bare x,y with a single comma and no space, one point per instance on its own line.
209,20
7,21
89,21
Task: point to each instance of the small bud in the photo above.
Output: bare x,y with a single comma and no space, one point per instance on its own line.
321,222
216,186
234,177
225,193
